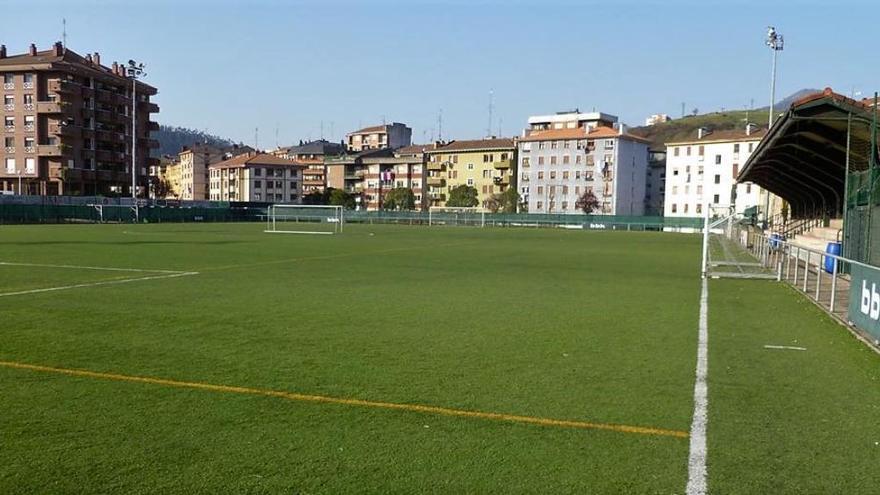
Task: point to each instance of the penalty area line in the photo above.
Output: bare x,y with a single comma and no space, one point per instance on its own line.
99,283
293,396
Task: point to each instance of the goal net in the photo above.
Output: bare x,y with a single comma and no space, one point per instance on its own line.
304,219
457,216
728,246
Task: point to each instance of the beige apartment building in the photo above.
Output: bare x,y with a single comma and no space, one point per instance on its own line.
256,177
312,155
67,125
394,135
488,165
194,162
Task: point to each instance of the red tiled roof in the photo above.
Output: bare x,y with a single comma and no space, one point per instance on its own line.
247,159
580,133
375,128
476,144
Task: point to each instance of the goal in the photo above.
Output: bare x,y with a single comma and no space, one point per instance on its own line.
304,219
727,246
447,215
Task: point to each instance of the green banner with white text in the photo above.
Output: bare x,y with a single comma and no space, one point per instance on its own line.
864,299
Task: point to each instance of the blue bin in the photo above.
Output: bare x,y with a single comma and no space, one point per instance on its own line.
774,240
832,248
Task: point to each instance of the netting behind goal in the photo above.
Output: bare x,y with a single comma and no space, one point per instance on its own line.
305,219
728,252
457,216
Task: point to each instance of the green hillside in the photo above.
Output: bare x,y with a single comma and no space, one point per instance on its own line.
686,128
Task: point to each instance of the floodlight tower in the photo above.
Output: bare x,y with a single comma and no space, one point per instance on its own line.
776,43
134,71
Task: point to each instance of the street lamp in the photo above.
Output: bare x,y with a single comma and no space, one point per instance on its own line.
775,42
134,71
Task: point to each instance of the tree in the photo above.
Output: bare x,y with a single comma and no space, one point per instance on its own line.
494,203
587,202
338,197
509,200
462,197
317,198
399,198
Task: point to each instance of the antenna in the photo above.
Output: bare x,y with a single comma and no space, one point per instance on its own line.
491,104
439,127
276,135
64,32
682,109
257,139
499,127
331,129
322,130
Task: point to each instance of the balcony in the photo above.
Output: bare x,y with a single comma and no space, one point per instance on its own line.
438,196
504,180
63,130
52,107
9,107
58,86
436,181
503,164
51,149
436,165
148,106
152,126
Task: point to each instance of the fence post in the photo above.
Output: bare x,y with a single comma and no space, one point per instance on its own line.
797,265
833,285
807,270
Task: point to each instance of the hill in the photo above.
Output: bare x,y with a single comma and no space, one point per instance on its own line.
686,127
172,139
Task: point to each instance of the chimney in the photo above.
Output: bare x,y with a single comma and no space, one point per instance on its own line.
750,127
621,129
96,58
58,49
2,51
32,50
702,132
89,57
115,68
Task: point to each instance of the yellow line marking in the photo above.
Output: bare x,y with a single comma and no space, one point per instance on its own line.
443,411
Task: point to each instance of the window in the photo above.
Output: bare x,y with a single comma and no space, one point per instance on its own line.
675,151
541,175
258,172
609,144
751,147
552,174
748,189
540,160
577,174
454,158
540,189
699,207
542,145
566,159
8,100
10,165
553,145
28,99
736,148
674,189
258,196
470,166
686,207
675,172
7,79
688,151
564,189
717,159
735,170
717,179
701,151
258,184
470,182
525,161
715,199
540,205
577,159
565,205
10,142
30,165
28,78
699,189
565,174
552,160
9,121
700,170
674,208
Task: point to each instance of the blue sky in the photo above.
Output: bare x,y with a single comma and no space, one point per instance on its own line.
230,67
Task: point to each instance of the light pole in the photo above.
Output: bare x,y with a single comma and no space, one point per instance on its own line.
134,70
776,43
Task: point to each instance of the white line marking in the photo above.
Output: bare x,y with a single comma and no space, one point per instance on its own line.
293,232
78,267
696,484
785,347
93,284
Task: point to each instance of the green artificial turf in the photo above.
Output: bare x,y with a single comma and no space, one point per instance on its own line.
585,326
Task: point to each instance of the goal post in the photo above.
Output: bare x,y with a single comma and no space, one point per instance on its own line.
449,215
726,250
305,219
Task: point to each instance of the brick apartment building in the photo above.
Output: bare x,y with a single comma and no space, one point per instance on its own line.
67,125
312,155
394,135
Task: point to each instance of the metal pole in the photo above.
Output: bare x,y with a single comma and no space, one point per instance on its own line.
833,285
807,270
846,182
705,268
134,140
797,265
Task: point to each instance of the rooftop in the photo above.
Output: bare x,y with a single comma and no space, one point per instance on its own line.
476,144
253,158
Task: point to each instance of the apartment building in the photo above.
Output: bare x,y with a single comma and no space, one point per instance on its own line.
312,155
705,169
195,161
405,167
485,164
655,185
256,177
67,125
565,155
394,135
165,178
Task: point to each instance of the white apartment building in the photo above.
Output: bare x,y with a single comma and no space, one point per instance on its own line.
705,169
565,155
256,177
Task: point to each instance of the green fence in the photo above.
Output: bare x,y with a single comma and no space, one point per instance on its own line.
45,213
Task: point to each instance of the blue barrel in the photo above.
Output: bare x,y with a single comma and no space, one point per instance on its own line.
774,240
832,248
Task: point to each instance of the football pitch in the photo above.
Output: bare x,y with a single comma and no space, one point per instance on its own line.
215,358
